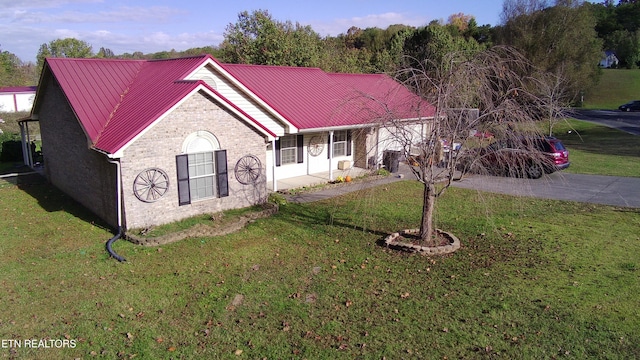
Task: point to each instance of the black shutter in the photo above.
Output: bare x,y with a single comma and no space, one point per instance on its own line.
277,150
299,143
182,165
348,142
329,149
222,179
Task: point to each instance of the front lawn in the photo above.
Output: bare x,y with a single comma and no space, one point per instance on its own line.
533,279
599,150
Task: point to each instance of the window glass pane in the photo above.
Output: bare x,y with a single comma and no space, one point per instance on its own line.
288,142
288,156
339,136
288,150
340,143
201,171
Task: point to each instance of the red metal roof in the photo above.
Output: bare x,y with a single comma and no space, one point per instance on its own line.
309,98
115,100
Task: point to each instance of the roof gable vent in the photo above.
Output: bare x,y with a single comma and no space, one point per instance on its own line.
209,80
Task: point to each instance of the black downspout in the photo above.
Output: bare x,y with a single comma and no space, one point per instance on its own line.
119,215
111,241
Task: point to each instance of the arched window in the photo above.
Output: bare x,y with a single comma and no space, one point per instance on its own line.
202,168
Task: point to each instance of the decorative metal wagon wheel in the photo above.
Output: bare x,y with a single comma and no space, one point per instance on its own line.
150,184
316,145
248,170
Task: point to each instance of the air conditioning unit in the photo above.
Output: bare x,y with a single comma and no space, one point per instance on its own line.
344,165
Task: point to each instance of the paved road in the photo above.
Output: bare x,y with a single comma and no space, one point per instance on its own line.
597,189
626,121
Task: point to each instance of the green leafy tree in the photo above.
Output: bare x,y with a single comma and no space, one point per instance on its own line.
9,69
256,38
105,53
541,33
626,45
65,48
13,72
619,26
434,42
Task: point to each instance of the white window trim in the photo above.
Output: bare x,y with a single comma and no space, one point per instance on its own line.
341,143
189,148
293,148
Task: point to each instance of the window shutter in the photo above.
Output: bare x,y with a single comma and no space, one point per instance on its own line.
222,179
329,149
299,143
277,150
348,142
182,165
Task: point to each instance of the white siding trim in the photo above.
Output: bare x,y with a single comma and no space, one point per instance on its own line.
237,93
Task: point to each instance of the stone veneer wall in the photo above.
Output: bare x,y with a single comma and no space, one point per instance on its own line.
365,147
70,165
159,147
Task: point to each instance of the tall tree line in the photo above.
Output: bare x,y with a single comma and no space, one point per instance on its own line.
564,37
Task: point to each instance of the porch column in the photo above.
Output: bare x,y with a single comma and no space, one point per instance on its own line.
377,163
27,157
273,166
330,155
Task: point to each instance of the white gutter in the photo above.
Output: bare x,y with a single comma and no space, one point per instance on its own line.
330,149
273,165
360,126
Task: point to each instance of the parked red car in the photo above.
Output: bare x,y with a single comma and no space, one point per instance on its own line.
526,157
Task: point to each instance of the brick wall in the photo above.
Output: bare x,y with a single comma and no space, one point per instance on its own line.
82,173
159,146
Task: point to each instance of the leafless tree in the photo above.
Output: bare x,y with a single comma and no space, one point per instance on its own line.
491,97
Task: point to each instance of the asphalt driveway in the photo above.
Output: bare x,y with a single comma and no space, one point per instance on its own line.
597,189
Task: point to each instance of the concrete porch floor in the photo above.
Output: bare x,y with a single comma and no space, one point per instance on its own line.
316,179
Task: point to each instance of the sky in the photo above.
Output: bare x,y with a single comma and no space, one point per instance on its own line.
161,25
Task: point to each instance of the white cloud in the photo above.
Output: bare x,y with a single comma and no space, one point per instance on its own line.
39,4
339,26
154,14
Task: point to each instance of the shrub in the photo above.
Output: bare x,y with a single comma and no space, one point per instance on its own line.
277,199
10,148
383,172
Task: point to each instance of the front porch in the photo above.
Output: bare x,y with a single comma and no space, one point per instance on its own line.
316,179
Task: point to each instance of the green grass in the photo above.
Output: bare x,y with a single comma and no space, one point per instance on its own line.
616,87
533,279
599,150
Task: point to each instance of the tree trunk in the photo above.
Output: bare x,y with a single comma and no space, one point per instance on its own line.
428,202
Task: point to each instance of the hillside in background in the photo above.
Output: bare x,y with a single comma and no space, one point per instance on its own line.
616,87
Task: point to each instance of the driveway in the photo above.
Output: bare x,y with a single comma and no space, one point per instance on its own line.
597,189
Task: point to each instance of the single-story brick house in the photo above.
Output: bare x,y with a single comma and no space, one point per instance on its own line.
147,142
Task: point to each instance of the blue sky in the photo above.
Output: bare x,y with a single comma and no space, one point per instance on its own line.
151,26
